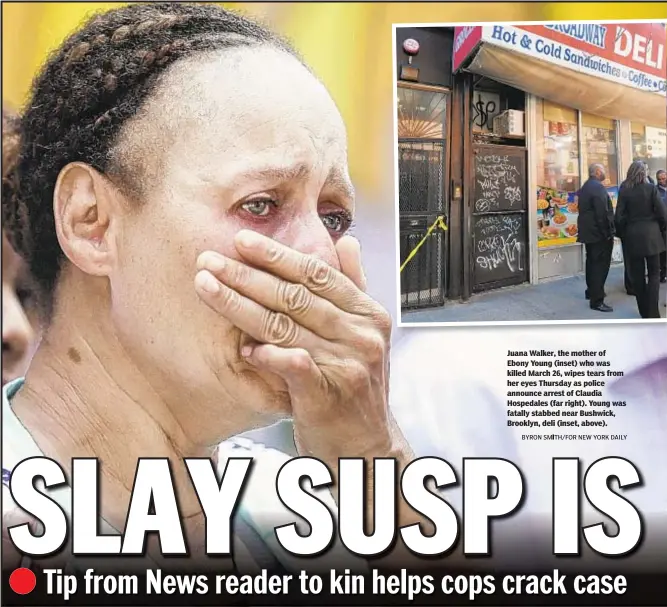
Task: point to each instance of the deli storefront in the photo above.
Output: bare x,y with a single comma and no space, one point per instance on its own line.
530,107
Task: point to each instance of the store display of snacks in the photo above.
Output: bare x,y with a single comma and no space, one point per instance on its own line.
557,214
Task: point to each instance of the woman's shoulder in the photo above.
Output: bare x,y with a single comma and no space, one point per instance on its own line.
634,191
649,192
17,443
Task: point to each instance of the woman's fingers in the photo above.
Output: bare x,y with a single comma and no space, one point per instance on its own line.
349,255
310,388
307,309
294,365
294,300
260,323
316,275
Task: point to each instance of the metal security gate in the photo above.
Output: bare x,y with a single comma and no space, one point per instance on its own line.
421,192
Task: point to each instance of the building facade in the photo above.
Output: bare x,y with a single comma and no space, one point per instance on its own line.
496,127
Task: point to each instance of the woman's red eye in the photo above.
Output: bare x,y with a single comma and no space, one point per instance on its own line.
336,222
333,222
259,208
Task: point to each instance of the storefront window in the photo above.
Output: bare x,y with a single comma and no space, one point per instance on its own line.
558,175
422,114
561,148
599,147
649,143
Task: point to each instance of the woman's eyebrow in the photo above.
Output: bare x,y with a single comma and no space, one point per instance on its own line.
341,182
336,179
279,173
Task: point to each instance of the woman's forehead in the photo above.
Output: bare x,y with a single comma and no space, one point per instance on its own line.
249,87
231,104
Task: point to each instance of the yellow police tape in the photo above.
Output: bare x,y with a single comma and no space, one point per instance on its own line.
439,222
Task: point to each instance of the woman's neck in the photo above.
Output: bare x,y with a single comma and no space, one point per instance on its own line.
84,397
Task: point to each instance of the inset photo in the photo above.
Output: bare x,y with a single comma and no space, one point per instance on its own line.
530,172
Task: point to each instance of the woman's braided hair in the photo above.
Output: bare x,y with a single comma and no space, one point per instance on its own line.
87,90
636,174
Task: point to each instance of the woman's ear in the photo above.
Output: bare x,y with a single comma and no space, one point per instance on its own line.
86,209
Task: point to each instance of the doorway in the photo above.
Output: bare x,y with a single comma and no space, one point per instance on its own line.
422,194
499,217
499,245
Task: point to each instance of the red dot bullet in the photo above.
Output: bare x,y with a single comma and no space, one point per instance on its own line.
22,581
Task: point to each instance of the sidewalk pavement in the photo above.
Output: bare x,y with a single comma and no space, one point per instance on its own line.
558,299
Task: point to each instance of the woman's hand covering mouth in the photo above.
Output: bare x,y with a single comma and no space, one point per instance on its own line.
315,328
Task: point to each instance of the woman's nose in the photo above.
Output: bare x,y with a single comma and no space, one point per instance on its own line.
17,333
310,236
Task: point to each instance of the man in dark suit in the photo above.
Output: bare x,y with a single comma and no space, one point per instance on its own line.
596,232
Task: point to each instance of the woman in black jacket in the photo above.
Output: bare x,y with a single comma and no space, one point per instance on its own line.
641,222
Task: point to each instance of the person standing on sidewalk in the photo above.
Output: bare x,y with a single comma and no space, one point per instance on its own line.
661,178
596,232
626,264
641,221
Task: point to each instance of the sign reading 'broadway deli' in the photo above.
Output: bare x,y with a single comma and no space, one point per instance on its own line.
632,54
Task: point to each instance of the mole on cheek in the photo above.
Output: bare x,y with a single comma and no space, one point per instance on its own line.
74,355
